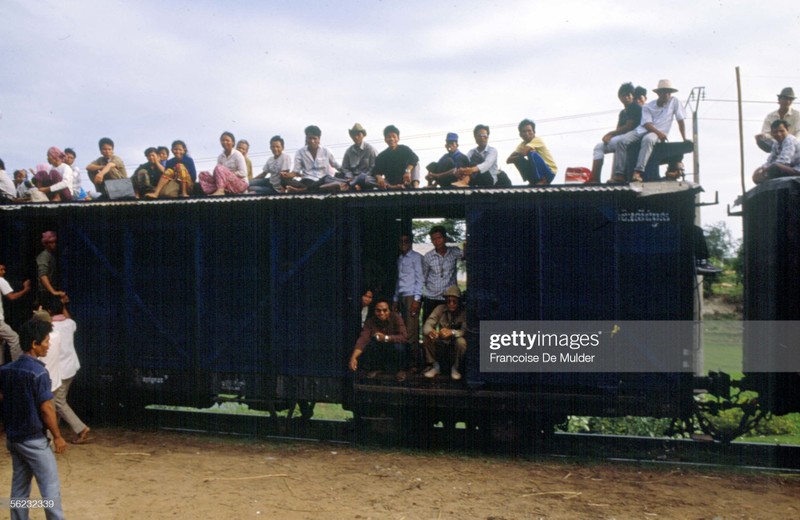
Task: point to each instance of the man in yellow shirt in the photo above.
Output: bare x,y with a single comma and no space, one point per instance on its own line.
531,157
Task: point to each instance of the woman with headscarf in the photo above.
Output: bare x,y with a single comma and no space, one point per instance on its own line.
230,174
57,183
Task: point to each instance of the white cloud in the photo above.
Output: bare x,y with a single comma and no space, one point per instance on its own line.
149,72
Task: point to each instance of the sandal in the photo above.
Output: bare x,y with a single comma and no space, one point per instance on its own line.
616,179
82,437
636,177
400,376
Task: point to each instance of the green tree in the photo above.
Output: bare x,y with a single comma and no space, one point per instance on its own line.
455,229
720,241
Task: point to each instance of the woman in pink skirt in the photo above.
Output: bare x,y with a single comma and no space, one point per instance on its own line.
230,174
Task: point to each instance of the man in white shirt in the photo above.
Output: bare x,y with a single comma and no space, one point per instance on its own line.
482,170
69,364
314,166
657,119
7,188
7,334
764,140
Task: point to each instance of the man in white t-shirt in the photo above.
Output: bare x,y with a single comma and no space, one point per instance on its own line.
69,364
7,334
657,119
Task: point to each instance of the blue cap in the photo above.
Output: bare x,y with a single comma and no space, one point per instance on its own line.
452,136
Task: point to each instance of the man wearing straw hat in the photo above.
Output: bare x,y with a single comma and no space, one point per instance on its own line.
358,164
764,140
656,123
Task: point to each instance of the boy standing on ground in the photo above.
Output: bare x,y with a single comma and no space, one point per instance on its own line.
28,412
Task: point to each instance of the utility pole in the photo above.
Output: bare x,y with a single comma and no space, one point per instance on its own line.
697,94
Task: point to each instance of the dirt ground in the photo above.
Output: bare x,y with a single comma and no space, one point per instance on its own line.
157,475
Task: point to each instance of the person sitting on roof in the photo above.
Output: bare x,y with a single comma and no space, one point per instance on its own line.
230,173
482,170
784,159
243,145
147,176
268,182
531,157
395,167
445,171
179,174
106,167
629,119
358,165
314,167
785,112
656,123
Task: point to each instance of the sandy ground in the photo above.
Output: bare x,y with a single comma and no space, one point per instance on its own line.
156,475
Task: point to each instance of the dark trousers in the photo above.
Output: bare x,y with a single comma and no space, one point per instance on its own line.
533,168
482,180
390,357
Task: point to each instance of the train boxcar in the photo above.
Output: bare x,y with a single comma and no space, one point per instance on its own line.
178,301
771,214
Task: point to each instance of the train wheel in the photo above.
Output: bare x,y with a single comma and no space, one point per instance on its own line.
741,416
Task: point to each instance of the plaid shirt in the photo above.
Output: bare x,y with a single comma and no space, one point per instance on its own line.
439,272
786,152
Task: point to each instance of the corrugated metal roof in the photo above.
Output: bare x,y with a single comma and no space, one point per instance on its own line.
642,189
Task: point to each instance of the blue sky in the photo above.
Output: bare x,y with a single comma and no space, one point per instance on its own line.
145,73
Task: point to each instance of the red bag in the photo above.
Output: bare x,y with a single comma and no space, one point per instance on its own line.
578,175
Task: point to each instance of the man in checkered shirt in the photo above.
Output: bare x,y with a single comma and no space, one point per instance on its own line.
439,269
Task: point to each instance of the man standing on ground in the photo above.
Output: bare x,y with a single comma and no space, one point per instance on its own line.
28,412
7,334
69,365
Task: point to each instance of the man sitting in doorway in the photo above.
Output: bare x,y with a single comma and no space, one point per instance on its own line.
382,343
443,335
